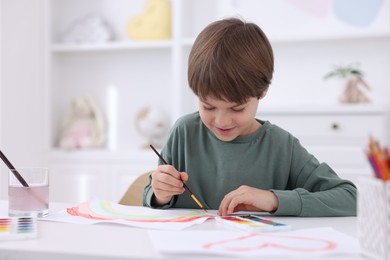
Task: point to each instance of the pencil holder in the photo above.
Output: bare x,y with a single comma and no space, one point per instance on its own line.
374,217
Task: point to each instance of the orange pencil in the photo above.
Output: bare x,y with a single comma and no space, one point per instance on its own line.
379,159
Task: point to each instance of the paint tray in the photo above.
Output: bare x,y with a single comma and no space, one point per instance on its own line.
253,223
12,228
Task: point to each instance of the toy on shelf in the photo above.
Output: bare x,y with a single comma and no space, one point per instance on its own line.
83,126
353,78
87,30
153,124
153,24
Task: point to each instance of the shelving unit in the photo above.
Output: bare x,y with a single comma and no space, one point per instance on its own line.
153,74
158,66
139,73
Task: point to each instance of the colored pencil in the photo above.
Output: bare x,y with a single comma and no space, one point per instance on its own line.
379,159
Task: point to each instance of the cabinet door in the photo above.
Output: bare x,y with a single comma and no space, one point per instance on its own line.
78,183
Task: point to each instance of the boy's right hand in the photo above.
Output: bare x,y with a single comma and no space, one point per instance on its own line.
167,182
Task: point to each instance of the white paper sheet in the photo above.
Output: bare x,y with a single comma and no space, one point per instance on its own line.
297,243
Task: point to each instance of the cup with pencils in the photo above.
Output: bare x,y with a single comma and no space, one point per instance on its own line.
374,204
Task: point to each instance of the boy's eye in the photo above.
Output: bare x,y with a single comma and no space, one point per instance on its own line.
238,109
208,108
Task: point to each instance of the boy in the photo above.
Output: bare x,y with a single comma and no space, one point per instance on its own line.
230,160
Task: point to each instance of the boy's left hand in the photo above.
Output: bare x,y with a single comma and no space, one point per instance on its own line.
247,198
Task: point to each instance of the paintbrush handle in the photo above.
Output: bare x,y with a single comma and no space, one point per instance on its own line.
14,171
185,186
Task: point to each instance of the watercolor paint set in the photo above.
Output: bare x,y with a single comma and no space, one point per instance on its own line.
12,228
253,223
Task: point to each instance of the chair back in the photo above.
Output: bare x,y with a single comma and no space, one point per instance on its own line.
134,194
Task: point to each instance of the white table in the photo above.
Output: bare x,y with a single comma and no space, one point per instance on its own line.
101,241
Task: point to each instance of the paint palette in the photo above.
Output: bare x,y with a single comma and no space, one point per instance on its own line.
253,223
12,228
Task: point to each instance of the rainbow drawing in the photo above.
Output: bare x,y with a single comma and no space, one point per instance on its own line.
104,211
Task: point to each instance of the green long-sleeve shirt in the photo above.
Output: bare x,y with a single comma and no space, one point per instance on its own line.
269,159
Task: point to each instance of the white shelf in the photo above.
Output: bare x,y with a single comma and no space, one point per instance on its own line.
111,46
103,155
337,108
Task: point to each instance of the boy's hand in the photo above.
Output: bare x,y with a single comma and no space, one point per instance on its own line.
247,198
167,182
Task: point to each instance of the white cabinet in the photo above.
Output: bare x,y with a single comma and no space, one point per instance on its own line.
82,175
337,135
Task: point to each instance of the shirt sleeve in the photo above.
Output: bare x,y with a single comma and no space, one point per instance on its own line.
315,189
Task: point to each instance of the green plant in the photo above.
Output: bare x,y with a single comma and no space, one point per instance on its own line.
343,72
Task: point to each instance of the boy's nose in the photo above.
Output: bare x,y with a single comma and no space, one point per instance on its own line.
222,120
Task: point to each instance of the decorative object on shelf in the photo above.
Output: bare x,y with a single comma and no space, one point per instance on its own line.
84,125
153,24
353,78
89,29
336,18
153,124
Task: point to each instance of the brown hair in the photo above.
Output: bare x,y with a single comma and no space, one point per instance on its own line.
230,60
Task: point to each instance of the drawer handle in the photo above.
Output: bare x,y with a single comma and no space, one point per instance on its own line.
335,126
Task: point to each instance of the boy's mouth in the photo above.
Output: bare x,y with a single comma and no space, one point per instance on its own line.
224,131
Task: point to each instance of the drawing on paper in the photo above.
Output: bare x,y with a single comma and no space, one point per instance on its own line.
258,241
106,210
296,243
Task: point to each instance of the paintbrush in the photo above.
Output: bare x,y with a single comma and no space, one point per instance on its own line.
14,171
185,186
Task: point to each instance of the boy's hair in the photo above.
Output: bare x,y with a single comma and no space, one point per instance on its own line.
230,60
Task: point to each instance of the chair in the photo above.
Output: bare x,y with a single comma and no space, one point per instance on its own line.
133,195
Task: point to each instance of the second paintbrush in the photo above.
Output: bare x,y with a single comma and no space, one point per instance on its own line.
185,186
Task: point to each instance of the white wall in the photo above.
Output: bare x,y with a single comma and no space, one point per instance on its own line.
22,96
301,65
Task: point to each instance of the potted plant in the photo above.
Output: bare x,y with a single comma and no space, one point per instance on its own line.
353,78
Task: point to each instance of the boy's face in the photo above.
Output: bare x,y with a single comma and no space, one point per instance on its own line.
229,120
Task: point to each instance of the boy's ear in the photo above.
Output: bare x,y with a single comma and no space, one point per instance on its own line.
264,93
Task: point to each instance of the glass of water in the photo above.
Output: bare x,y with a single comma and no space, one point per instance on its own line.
28,192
